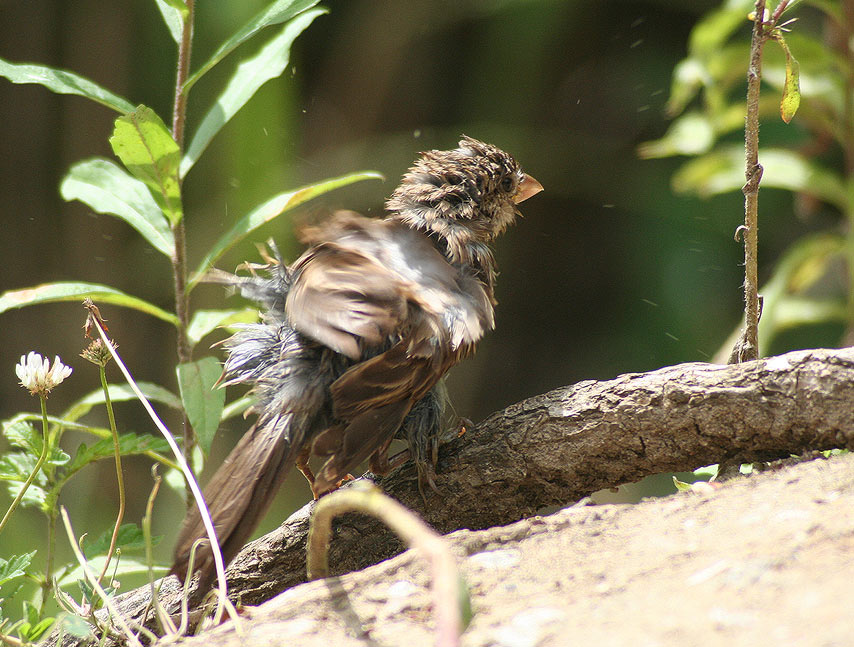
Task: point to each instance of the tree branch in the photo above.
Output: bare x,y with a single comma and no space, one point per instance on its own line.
554,448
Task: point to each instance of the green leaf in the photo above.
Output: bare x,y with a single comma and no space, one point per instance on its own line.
277,13
681,485
707,472
33,628
691,134
23,435
63,82
272,208
715,28
130,537
121,393
805,269
126,566
792,87
129,444
173,16
202,402
237,407
249,76
205,321
107,188
16,467
722,170
75,291
15,566
32,632
145,146
77,626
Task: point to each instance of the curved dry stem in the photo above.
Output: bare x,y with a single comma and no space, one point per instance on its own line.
411,529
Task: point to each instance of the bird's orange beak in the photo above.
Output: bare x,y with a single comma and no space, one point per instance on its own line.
527,187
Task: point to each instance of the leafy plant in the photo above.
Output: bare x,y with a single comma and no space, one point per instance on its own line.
814,280
144,189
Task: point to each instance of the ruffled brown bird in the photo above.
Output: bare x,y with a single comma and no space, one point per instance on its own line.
357,335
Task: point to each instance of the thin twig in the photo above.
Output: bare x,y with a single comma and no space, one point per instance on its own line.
179,259
117,453
747,347
847,126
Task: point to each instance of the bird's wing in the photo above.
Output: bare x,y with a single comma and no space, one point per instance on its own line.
370,282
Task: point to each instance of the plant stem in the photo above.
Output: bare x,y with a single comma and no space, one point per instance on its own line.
414,533
119,476
848,152
179,260
747,347
36,469
48,569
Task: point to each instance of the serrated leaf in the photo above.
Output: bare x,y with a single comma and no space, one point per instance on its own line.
250,75
276,13
62,82
145,146
75,291
272,208
202,402
15,566
121,393
129,444
35,495
107,188
130,537
22,434
206,321
16,467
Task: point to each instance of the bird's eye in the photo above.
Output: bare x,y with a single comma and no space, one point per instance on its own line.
507,184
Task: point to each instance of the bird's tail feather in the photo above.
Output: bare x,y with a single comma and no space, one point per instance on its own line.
238,495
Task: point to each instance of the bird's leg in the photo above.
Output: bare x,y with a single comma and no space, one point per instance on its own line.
302,465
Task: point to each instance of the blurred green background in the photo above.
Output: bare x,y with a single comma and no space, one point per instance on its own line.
608,272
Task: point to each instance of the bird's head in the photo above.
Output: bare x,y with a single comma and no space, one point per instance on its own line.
467,195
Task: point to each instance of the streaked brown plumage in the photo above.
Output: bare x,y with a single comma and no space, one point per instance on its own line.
358,333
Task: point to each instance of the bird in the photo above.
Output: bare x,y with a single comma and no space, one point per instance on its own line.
356,336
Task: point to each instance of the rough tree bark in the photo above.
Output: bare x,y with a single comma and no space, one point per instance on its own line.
555,448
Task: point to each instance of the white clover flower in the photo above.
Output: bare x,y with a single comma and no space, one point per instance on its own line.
38,376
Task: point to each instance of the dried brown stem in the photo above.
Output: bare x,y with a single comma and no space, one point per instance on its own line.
747,347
